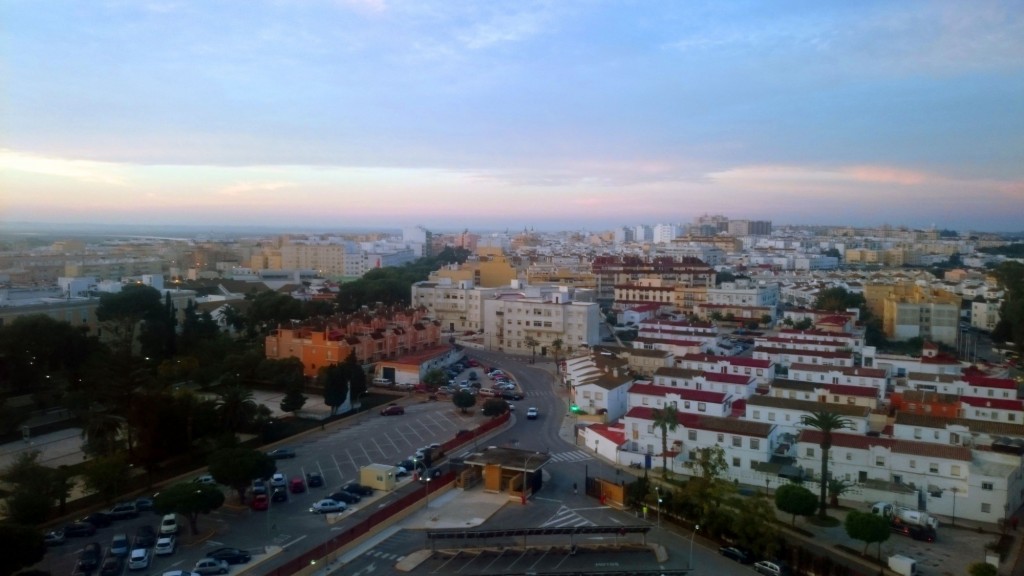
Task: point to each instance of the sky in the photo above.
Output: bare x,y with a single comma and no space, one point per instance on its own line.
508,115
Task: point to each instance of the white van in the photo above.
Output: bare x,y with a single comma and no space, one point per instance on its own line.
902,565
169,524
381,382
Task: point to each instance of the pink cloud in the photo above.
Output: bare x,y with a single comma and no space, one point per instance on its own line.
887,175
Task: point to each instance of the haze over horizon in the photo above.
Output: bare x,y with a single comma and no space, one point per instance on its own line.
546,115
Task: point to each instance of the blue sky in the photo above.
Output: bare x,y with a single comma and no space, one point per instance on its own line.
554,115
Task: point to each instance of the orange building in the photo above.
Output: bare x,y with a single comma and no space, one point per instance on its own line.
927,403
373,337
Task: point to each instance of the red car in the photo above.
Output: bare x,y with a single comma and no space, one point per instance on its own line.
297,485
392,410
260,502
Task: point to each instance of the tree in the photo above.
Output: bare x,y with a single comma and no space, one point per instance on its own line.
190,500
236,467
667,420
333,381
107,475
836,488
531,343
838,299
293,400
708,487
867,527
754,524
463,400
803,324
123,312
556,351
23,546
825,422
982,569
796,500
236,407
435,378
494,407
356,378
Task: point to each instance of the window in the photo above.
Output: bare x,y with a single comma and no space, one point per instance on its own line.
771,416
586,393
721,438
737,442
879,461
986,507
650,428
598,395
686,404
955,470
933,468
645,401
810,453
986,486
691,435
736,462
702,407
757,414
849,455
917,433
755,443
913,464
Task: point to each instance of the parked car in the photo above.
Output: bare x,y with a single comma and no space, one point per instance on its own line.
165,545
90,556
145,537
357,488
278,481
76,529
260,502
392,410
204,479
531,413
463,432
259,486
327,506
738,554
211,566
230,555
281,453
54,537
112,566
119,545
169,524
510,395
314,479
124,511
99,519
430,474
770,568
346,497
139,559
144,504
181,573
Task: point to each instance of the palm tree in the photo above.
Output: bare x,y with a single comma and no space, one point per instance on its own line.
532,344
667,419
556,350
102,432
235,407
826,422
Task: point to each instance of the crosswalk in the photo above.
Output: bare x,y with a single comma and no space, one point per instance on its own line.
385,555
570,456
566,518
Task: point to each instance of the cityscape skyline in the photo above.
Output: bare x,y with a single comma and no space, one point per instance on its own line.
509,115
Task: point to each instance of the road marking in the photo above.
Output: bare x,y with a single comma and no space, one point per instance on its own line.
214,543
300,538
371,568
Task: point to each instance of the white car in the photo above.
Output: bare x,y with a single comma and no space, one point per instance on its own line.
327,506
139,559
211,566
531,413
278,481
165,545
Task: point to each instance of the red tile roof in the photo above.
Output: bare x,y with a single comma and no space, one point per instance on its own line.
710,423
615,435
684,393
997,403
989,382
858,442
728,378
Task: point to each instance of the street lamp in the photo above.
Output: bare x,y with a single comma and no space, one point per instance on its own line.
426,489
695,528
526,474
657,490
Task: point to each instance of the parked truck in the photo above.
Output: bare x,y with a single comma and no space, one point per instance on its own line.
907,521
902,565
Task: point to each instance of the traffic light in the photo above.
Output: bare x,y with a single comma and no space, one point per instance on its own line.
575,409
